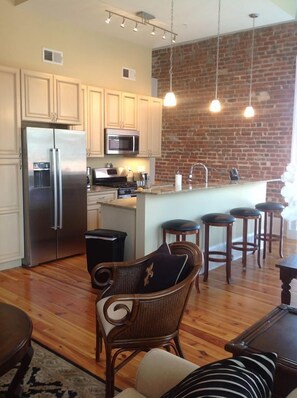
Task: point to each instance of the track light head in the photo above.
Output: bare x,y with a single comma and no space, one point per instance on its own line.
108,19
135,29
123,23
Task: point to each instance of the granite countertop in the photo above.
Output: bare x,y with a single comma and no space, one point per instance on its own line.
170,188
99,189
127,203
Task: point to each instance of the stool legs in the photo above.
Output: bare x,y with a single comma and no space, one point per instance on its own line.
227,254
245,246
268,236
206,252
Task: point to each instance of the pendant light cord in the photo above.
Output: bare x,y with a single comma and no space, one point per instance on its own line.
218,50
171,49
254,16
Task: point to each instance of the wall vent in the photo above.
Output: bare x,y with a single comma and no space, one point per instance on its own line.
128,73
52,56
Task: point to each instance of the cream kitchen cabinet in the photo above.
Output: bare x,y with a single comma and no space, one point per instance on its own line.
50,98
11,207
11,216
92,119
10,121
120,110
94,206
149,125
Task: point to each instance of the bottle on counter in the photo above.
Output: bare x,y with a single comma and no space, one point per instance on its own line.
178,181
130,175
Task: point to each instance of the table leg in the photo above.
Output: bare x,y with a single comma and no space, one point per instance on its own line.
15,387
286,278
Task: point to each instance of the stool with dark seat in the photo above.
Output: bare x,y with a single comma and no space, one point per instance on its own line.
271,209
218,220
246,214
181,228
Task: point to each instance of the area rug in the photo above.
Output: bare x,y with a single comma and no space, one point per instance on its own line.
51,376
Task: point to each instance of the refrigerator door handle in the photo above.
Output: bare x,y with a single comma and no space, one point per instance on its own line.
60,184
55,192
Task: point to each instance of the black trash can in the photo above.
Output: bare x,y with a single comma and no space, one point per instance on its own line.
104,245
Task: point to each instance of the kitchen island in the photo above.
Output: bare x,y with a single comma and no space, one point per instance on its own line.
141,218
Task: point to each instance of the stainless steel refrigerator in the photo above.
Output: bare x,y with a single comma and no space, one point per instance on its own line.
55,193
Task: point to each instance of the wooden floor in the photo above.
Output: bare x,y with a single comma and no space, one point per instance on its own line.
60,300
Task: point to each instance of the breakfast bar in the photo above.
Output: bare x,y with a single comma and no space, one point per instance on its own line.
142,217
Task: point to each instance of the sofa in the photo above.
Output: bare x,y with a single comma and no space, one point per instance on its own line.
158,372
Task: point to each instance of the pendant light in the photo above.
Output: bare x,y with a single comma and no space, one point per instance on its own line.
215,105
170,99
249,110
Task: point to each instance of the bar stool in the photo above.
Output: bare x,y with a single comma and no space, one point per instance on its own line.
271,209
246,214
181,228
218,220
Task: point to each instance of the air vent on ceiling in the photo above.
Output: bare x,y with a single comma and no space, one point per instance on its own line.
52,56
128,73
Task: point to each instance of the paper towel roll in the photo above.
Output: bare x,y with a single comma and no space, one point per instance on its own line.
178,181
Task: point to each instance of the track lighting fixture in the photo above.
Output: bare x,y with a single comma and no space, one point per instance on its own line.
108,19
170,99
249,110
215,105
144,19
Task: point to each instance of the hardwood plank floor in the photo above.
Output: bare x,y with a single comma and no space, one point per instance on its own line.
60,300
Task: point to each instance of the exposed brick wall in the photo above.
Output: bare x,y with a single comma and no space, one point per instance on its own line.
260,148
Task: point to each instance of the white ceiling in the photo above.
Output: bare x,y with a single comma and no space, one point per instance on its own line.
192,19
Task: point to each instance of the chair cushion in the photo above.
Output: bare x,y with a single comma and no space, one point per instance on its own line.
162,271
249,376
270,206
217,218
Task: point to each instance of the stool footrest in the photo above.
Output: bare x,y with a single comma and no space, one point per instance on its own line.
249,246
217,253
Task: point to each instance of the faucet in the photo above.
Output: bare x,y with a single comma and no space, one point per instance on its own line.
190,177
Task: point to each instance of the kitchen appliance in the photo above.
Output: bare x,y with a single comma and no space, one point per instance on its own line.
125,142
55,195
89,176
110,177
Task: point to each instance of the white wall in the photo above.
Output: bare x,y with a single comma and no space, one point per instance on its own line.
89,56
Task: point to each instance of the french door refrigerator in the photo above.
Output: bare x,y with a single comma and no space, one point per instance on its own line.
55,194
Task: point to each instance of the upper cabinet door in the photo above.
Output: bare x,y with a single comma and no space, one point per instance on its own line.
120,110
149,126
129,111
37,96
67,105
10,115
50,98
113,109
95,97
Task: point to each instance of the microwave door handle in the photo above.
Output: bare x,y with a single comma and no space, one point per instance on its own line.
60,185
55,193
133,143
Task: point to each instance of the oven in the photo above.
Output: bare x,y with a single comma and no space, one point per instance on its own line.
109,177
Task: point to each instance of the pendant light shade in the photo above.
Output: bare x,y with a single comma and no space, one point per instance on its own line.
249,110
215,105
170,99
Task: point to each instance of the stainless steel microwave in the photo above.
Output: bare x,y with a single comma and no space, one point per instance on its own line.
124,142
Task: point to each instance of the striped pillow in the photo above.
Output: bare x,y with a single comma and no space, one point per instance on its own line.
248,376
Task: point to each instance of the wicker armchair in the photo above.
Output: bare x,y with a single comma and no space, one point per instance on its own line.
128,321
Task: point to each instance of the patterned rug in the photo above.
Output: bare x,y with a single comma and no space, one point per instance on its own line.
51,376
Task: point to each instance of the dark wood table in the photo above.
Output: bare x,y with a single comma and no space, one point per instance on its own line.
15,345
276,332
288,271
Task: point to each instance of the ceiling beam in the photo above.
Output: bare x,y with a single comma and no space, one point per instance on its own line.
18,2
